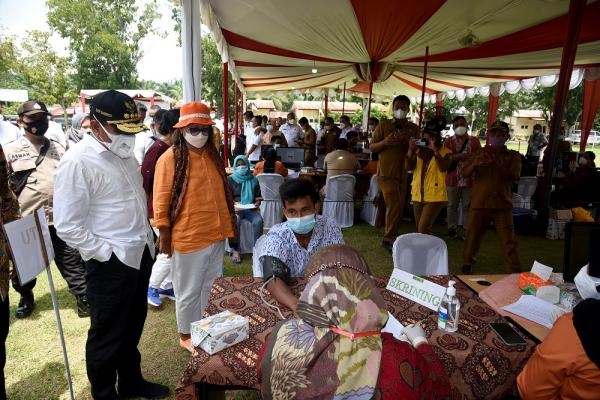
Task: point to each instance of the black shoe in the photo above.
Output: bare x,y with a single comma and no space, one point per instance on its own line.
146,390
25,307
451,234
83,307
388,246
467,269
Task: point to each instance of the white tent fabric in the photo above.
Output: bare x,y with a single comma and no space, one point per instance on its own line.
192,53
272,45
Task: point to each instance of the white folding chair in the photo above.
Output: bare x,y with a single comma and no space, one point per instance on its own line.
369,211
339,199
420,254
525,190
256,266
270,208
246,238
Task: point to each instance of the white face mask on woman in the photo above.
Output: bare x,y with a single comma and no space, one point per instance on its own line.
460,130
198,140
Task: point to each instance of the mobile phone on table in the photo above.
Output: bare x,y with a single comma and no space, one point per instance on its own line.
507,333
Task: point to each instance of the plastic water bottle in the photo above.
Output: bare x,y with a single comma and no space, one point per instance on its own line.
449,309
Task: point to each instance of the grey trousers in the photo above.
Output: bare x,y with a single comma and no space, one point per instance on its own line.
458,196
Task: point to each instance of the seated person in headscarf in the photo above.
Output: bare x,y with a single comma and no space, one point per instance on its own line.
288,245
80,125
336,350
566,365
245,190
270,165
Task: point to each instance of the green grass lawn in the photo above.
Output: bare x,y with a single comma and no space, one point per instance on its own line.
35,369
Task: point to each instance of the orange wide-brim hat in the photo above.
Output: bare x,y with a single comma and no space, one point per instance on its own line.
194,113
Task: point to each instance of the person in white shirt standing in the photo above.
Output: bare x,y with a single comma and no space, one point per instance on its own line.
291,130
100,209
254,140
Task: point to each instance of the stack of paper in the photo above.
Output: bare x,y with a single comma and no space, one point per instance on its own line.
536,310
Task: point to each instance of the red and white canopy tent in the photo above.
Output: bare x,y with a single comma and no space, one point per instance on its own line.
273,45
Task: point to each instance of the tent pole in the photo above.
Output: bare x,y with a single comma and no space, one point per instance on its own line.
344,99
423,88
575,16
326,106
225,113
369,101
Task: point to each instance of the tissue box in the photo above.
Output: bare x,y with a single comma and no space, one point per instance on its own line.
219,331
529,282
564,215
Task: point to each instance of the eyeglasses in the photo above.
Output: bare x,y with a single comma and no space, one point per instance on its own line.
195,131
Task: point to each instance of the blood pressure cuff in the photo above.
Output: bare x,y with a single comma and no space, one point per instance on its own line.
273,266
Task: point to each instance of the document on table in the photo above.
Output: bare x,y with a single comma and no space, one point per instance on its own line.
536,310
394,327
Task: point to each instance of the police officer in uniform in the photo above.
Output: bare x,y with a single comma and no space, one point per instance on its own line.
32,160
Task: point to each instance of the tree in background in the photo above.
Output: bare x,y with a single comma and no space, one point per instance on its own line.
104,38
212,76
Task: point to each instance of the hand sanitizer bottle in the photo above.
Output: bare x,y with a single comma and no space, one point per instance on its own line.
449,309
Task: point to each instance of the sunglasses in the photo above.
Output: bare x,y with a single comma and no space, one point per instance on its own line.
195,131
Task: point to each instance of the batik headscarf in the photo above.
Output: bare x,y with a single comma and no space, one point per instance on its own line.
246,179
334,350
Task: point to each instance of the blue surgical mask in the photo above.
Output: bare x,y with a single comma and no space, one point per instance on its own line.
302,225
241,169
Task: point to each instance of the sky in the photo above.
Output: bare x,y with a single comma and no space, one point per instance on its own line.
19,16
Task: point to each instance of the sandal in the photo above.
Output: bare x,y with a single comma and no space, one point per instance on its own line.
236,258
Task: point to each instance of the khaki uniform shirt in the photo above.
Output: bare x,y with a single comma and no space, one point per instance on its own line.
21,155
392,159
492,185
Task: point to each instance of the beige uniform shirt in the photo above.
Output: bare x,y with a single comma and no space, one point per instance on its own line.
21,155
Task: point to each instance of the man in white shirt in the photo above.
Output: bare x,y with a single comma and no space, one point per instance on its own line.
254,140
100,209
291,130
8,132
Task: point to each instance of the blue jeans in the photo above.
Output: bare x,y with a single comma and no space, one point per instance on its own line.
257,224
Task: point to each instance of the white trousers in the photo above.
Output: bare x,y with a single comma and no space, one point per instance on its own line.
193,276
161,271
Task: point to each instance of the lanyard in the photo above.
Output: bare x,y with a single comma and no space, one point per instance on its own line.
353,335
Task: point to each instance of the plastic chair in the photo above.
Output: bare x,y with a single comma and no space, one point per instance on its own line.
369,211
246,238
526,189
271,208
256,266
339,199
420,254
320,162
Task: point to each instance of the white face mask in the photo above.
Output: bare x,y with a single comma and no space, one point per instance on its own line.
371,128
583,161
212,115
342,125
269,128
120,145
197,141
400,114
586,284
460,130
536,131
291,121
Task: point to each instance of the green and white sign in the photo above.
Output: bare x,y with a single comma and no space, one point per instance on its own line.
417,289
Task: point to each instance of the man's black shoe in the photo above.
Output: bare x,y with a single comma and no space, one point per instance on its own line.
25,307
146,390
388,246
83,307
467,269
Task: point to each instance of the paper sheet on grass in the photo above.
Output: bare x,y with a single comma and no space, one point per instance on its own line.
536,310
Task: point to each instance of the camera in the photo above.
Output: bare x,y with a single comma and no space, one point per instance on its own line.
421,142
